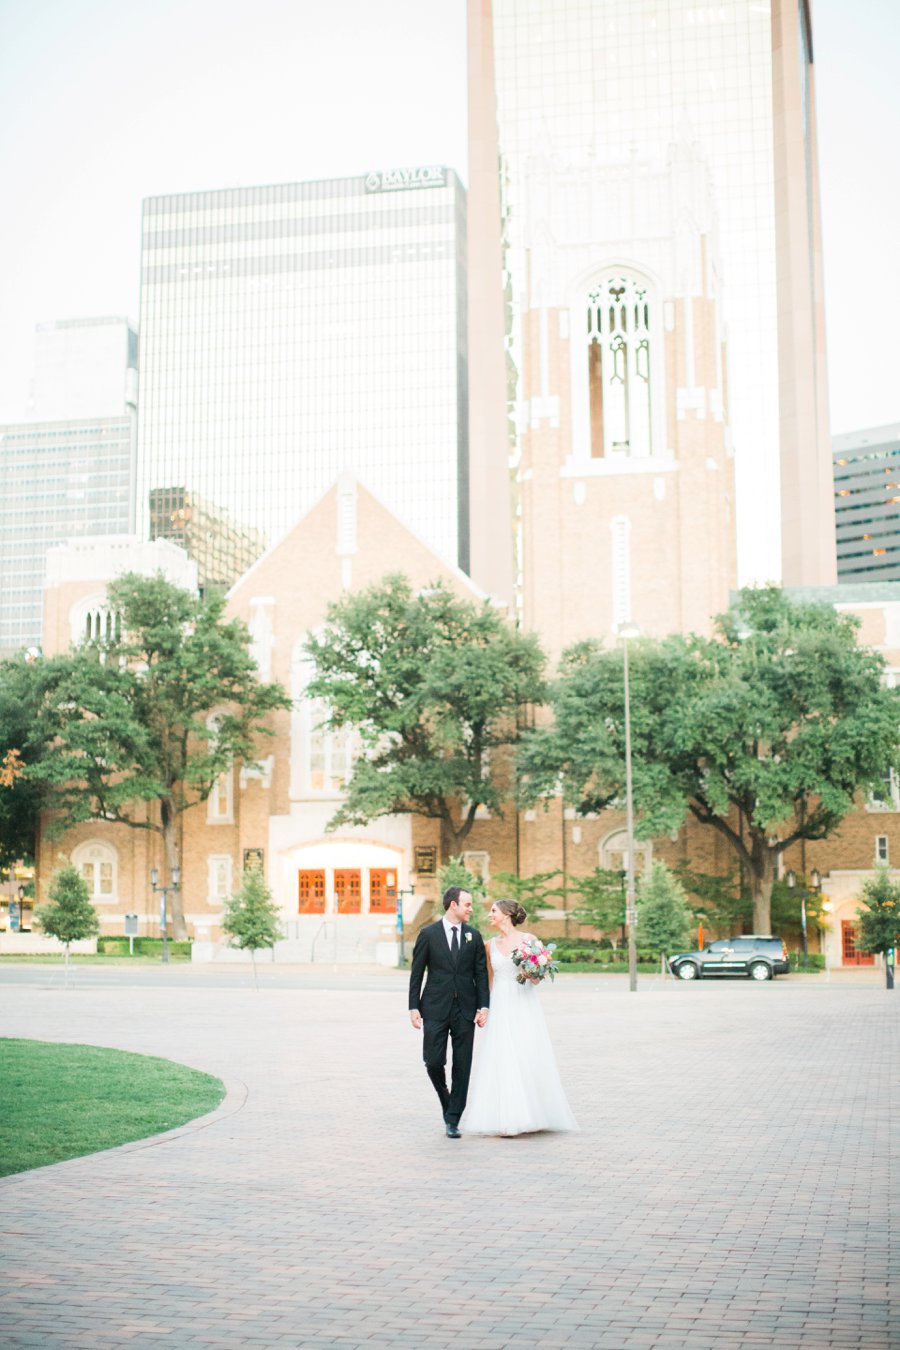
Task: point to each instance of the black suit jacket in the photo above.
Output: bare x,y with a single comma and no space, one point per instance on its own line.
466,980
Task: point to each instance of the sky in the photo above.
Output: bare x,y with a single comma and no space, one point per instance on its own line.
103,103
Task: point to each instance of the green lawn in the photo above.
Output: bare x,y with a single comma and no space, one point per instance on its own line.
62,1101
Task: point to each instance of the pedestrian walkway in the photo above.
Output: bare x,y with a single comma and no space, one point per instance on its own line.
730,1186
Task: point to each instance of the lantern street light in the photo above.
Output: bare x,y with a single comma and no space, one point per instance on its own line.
626,632
815,886
164,892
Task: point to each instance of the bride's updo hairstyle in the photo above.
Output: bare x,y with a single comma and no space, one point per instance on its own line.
513,911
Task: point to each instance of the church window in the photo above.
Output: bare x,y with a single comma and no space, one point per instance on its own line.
220,802
620,367
321,756
102,625
97,865
613,854
219,877
330,751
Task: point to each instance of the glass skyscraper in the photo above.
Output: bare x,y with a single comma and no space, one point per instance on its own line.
867,504
61,480
292,332
71,473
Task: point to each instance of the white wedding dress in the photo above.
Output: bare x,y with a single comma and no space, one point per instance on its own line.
516,1087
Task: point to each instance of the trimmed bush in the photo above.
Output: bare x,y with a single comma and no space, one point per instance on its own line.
816,961
143,946
591,953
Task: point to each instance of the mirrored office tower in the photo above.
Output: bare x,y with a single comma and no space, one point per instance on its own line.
68,471
290,333
656,236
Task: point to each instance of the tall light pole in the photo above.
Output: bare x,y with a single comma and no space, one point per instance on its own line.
626,632
815,882
164,891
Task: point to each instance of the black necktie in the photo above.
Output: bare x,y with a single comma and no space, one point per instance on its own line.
454,944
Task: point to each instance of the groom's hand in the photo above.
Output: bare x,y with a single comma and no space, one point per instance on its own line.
481,1017
416,1018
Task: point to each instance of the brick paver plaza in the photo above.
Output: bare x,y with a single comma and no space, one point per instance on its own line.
731,1185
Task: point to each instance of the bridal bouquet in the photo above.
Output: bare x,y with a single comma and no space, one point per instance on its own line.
535,961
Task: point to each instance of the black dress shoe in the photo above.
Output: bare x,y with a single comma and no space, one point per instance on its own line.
453,1132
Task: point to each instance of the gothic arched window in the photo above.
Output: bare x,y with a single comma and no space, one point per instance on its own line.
321,757
619,366
92,621
98,865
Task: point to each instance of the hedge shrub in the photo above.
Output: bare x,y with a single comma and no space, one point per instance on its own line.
143,946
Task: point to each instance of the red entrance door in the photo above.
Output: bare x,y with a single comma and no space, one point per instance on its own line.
851,956
347,890
311,892
383,890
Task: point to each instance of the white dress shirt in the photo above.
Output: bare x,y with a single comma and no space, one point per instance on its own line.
448,929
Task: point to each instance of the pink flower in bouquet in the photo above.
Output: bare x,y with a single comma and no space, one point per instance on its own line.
535,961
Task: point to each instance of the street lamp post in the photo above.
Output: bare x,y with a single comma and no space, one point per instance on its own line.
164,892
815,883
400,936
626,632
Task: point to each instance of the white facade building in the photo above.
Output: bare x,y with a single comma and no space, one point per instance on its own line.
83,368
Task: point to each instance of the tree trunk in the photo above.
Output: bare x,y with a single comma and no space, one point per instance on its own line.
253,960
762,878
67,966
452,839
169,819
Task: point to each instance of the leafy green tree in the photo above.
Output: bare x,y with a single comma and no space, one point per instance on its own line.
70,916
145,723
455,873
722,904
252,919
664,920
879,919
600,902
534,893
26,686
764,733
717,900
434,686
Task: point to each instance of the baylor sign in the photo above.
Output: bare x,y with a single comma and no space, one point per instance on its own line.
398,180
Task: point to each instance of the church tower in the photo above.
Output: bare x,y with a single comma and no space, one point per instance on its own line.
630,178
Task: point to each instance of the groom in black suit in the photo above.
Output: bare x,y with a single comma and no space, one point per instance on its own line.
455,999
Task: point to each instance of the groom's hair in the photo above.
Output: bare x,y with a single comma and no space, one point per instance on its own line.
452,894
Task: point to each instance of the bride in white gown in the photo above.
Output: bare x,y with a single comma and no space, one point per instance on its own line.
516,1087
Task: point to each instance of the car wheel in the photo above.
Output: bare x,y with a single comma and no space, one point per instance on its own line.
760,971
687,971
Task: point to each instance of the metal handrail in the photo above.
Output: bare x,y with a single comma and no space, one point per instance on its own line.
321,928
